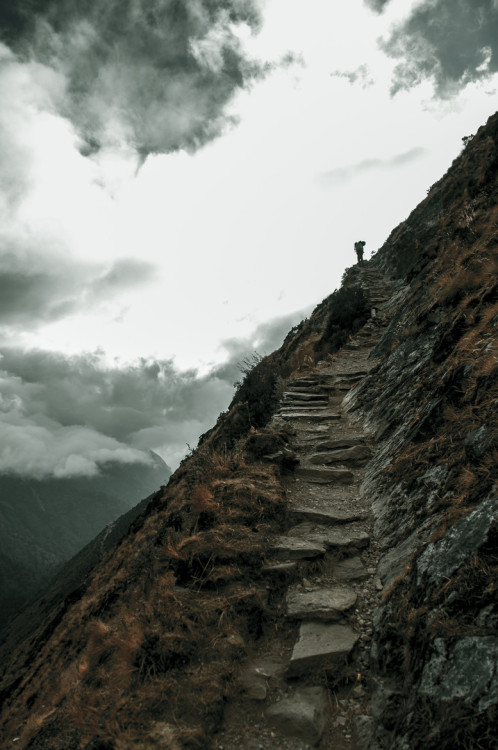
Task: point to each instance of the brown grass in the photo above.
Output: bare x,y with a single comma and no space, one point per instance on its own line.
164,620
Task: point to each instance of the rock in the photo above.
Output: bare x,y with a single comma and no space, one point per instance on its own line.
293,548
339,443
325,475
356,454
349,569
331,538
312,416
320,603
323,513
440,559
478,442
302,396
303,716
468,670
393,563
363,729
320,646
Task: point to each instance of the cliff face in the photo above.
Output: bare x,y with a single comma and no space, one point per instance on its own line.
142,652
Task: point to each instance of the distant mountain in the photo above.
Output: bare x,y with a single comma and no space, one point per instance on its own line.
44,523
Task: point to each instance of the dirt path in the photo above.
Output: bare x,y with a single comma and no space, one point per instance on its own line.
307,682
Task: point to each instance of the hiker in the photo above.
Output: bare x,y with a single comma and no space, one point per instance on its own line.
358,248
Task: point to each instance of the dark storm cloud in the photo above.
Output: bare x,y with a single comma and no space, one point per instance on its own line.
157,74
38,288
342,174
360,75
451,42
68,416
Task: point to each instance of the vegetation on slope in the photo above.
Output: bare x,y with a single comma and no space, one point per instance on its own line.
148,648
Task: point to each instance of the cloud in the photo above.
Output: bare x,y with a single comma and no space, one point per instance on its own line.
342,174
450,42
69,416
37,288
360,75
265,339
156,74
377,5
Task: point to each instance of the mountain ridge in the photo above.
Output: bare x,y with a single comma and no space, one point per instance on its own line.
148,653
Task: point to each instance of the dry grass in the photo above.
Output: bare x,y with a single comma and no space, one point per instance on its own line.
164,620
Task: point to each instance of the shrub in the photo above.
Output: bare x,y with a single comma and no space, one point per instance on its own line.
348,311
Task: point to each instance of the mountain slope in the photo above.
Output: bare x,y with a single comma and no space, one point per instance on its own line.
45,522
146,652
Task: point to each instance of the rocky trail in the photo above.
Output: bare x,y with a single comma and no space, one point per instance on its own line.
307,683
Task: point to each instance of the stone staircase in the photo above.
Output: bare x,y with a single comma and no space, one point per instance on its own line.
320,572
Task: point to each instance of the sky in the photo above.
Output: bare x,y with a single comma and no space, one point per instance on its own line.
182,181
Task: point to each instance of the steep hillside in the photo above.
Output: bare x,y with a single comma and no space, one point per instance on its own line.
44,522
385,401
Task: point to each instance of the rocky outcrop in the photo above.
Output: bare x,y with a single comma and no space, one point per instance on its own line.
431,403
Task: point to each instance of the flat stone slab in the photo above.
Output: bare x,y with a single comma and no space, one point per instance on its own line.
321,646
336,443
324,514
355,454
324,475
329,537
303,396
327,604
296,548
349,569
315,416
304,715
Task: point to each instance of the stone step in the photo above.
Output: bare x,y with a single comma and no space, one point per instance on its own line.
327,604
325,475
358,454
302,396
349,569
321,646
296,405
315,416
323,513
340,443
304,382
341,538
295,548
302,716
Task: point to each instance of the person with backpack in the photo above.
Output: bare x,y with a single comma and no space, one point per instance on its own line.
358,248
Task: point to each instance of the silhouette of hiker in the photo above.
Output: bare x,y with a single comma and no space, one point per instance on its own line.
358,248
